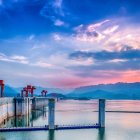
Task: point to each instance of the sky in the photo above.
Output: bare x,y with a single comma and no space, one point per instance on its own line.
69,43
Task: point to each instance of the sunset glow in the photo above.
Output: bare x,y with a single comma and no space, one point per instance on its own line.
56,44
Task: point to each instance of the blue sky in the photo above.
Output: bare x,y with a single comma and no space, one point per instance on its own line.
69,43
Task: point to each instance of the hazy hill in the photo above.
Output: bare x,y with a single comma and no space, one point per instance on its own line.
9,91
109,91
58,95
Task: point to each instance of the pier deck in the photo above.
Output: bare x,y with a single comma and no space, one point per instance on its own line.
57,127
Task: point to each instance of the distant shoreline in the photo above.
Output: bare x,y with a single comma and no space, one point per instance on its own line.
121,111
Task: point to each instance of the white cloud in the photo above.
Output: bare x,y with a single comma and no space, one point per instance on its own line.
95,37
57,37
82,62
62,61
118,60
14,58
128,36
91,32
109,35
92,27
89,28
59,22
42,64
24,60
111,29
19,59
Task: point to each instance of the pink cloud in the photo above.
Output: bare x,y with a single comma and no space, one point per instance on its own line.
104,78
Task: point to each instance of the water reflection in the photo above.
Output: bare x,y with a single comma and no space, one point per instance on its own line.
101,134
24,120
51,135
119,126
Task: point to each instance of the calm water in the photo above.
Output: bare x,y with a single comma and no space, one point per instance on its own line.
119,126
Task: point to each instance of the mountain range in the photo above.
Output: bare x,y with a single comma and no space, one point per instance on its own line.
108,91
13,92
9,91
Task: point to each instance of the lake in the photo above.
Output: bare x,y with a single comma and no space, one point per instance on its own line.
122,122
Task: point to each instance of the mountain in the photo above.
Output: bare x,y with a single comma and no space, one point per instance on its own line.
9,91
108,91
56,95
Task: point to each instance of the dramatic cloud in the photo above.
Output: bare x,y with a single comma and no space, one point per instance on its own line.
109,35
68,43
125,59
127,53
90,33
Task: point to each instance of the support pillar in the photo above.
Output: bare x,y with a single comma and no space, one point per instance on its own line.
51,115
101,115
34,103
